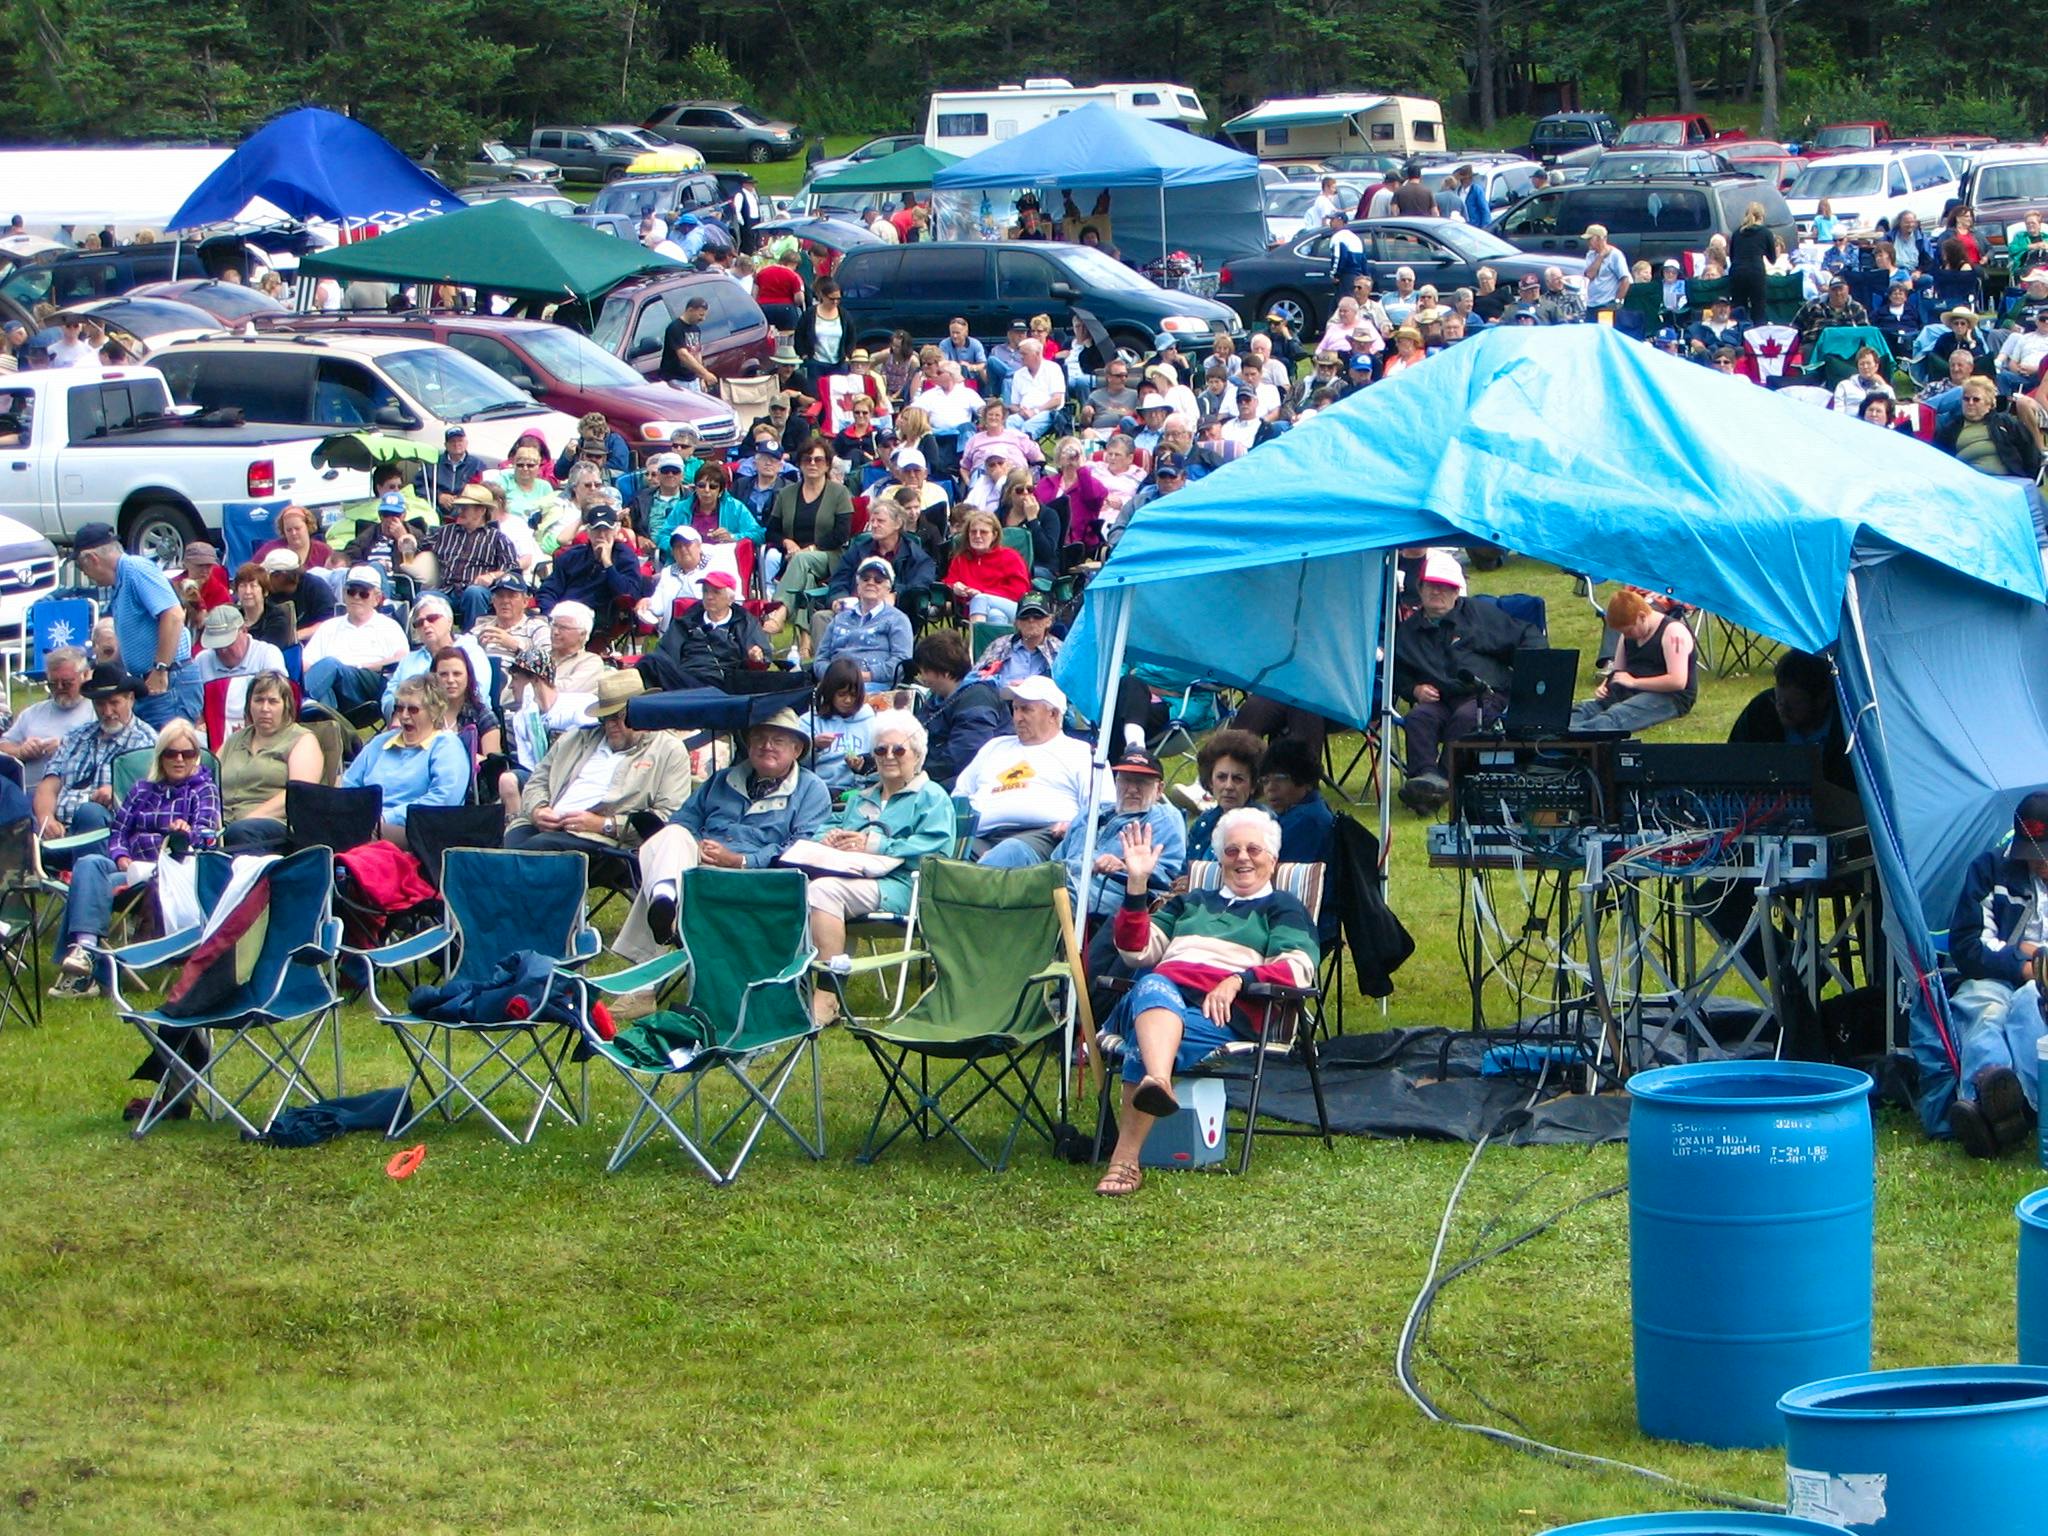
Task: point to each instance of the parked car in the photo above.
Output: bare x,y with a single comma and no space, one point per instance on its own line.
77,276
1622,164
1875,187
1287,206
874,149
1294,278
563,370
1362,164
1671,128
1839,138
592,154
617,224
495,161
664,196
540,199
143,326
633,316
726,130
228,303
86,445
1560,133
919,288
1765,160
2002,188
1647,220
342,383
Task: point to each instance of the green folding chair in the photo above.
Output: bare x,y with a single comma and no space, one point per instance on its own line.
746,938
992,939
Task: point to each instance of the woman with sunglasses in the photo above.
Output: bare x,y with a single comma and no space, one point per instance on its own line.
523,482
718,516
902,815
809,524
858,442
416,762
177,804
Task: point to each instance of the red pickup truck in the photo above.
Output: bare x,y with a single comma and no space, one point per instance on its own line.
1842,138
1674,129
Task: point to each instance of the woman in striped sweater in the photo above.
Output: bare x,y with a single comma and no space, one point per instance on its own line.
1200,950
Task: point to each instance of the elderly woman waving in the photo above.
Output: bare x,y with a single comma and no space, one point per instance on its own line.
1197,952
902,815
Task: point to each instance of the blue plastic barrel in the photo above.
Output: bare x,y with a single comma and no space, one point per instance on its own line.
1751,1187
1704,1523
1958,1450
2033,1215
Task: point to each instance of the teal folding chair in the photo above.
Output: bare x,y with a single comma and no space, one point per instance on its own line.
745,936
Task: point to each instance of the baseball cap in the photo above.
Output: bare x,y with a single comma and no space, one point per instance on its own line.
455,430
663,461
510,583
1838,281
281,560
685,532
1528,280
877,565
1170,462
1138,762
1164,340
92,536
910,458
1037,690
1034,607
1020,325
392,503
1362,361
1666,333
769,450
603,515
2029,826
724,579
222,625
364,576
1440,568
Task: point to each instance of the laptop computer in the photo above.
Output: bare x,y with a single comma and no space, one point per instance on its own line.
1540,694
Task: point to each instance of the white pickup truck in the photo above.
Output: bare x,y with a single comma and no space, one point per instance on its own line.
96,444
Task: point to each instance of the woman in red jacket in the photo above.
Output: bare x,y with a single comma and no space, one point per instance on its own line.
987,576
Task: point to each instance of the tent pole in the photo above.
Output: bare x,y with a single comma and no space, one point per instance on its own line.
1390,578
1863,654
1112,674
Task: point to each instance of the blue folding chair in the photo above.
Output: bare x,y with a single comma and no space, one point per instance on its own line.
275,1013
55,622
496,902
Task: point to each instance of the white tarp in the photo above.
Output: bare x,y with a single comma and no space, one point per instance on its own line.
131,188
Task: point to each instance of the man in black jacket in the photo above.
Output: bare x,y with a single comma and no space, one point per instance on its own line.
440,482
717,644
958,716
1452,658
915,573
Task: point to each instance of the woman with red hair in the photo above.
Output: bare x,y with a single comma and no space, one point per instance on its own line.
1655,673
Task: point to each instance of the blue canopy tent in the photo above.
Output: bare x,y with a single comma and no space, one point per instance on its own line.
1168,189
315,164
1582,448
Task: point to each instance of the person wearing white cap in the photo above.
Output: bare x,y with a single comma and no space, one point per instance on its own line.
1452,661
347,658
1027,789
434,626
226,649
871,630
681,579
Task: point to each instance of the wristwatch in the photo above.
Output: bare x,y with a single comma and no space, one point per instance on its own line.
162,666
611,826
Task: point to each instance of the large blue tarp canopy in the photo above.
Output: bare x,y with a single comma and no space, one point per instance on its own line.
316,164
1577,446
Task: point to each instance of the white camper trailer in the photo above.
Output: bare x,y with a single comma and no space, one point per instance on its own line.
964,122
1317,127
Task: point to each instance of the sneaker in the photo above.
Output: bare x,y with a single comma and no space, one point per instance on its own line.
1994,1122
77,961
661,918
73,987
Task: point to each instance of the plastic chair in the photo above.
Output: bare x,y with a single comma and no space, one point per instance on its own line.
275,1012
22,891
745,935
993,939
56,622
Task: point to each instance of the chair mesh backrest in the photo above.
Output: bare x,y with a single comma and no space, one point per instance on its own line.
987,930
131,768
501,900
328,816
739,926
301,899
431,831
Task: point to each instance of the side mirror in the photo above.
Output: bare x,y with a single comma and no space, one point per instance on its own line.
396,416
645,347
1066,293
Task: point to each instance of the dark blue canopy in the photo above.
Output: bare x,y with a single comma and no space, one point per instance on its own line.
316,164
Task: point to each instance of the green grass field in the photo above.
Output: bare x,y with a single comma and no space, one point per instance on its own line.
203,1335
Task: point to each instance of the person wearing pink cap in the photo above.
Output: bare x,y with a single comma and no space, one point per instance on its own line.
1452,659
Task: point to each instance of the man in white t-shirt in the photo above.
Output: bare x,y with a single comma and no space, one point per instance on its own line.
75,348
227,649
1027,788
1037,389
348,656
36,733
953,404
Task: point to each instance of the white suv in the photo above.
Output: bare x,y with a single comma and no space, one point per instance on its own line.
399,385
1874,187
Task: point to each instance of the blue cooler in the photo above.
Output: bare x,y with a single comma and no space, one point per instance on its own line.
1191,1137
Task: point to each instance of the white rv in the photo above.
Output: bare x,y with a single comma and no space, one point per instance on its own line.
964,122
1316,127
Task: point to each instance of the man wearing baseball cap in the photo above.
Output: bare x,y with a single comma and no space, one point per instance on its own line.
226,649
1031,649
871,631
347,658
1027,789
439,481
1453,658
1139,788
1996,941
599,568
149,624
511,626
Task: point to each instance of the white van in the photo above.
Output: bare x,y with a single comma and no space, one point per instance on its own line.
965,122
1875,186
1316,127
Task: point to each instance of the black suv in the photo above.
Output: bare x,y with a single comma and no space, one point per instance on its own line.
1647,219
919,287
78,276
1561,133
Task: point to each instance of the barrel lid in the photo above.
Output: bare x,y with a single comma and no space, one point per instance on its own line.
1927,1392
2033,1210
1751,1084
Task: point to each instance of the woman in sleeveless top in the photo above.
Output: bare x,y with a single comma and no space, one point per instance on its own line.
256,762
1655,676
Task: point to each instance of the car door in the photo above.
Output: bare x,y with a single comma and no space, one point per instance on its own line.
348,395
643,340
710,131
1393,249
937,282
1024,282
733,325
579,153
28,455
503,361
1533,223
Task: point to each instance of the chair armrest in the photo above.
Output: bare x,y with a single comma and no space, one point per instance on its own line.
431,941
154,952
326,944
76,842
648,973
585,947
1281,992
862,965
788,973
1060,972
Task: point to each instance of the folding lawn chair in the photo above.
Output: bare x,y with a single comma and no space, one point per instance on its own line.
745,936
497,901
993,939
275,1012
22,890
1288,1026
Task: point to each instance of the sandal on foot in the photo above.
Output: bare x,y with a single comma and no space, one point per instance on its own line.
1155,1098
1120,1179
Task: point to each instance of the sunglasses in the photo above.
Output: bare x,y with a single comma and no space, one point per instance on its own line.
407,709
526,463
359,591
183,754
872,576
900,749
1244,850
670,469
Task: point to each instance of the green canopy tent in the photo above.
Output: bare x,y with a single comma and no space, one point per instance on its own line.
908,170
501,246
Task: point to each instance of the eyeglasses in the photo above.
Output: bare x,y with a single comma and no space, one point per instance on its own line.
900,749
526,463
359,591
816,458
1244,850
183,753
407,709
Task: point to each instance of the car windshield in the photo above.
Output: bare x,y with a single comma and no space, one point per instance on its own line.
576,359
635,197
2023,178
497,153
1653,133
1096,270
749,115
610,330
1825,180
452,386
1471,243
607,139
1843,138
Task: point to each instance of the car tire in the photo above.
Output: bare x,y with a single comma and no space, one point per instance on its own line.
757,154
1132,347
612,173
1296,305
159,531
